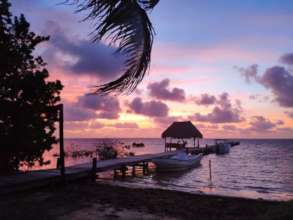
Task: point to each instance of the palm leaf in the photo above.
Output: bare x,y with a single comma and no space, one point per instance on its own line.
125,24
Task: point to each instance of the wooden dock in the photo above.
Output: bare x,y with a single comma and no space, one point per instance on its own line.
33,179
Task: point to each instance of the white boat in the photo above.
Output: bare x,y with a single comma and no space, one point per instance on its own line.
223,148
180,161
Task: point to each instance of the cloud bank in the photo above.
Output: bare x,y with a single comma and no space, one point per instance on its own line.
79,56
223,112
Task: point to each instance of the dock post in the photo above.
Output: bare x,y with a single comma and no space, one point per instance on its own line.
144,168
123,170
133,170
61,137
210,168
94,169
147,167
115,173
58,163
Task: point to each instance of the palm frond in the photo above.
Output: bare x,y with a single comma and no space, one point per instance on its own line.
125,24
149,4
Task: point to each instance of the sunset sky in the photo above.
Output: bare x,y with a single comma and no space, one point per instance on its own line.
225,65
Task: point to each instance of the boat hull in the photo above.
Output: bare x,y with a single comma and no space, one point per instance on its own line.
170,164
223,148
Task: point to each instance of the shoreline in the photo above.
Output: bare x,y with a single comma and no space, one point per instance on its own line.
197,193
83,198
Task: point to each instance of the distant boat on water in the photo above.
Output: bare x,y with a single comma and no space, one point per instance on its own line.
137,144
223,148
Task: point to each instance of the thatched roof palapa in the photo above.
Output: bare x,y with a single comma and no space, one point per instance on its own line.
184,129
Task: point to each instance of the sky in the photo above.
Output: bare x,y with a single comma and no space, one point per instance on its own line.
226,65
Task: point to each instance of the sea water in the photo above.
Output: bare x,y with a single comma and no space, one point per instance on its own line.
254,169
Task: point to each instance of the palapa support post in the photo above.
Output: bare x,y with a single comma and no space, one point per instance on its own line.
198,142
94,169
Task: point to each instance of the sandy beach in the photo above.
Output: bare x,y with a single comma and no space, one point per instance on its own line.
86,200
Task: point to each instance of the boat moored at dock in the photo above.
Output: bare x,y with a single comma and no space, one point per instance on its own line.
178,162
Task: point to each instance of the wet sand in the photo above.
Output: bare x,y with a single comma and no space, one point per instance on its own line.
85,200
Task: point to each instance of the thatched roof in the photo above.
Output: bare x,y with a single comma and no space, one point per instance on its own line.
184,129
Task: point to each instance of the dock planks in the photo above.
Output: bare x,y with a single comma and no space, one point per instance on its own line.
32,179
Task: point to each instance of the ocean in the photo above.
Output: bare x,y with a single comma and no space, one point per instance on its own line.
254,169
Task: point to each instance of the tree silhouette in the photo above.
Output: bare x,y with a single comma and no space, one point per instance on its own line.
26,125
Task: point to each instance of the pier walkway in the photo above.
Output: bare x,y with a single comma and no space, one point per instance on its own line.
32,179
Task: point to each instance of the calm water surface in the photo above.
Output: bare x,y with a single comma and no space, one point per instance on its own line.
254,169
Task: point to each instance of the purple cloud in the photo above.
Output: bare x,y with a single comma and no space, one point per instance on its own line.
219,115
289,114
287,59
96,125
229,128
73,112
259,98
223,112
253,97
165,121
249,73
107,106
205,99
89,107
151,108
277,79
75,125
160,90
84,57
125,125
259,123
280,82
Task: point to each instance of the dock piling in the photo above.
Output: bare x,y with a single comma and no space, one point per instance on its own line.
58,163
144,168
210,168
133,170
123,170
94,169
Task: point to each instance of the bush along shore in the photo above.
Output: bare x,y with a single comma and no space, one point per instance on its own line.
101,201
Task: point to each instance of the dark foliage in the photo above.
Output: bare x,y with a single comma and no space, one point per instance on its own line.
125,24
26,123
106,152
